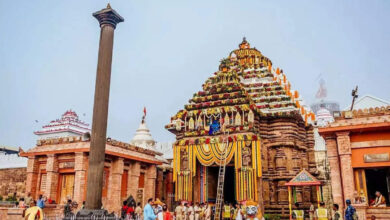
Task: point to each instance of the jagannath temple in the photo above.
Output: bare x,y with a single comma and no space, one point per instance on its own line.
249,112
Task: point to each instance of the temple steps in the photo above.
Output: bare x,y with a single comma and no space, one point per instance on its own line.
379,213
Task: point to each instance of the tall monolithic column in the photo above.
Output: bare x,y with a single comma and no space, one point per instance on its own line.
108,18
335,175
344,148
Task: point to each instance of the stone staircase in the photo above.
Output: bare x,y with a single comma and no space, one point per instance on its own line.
379,213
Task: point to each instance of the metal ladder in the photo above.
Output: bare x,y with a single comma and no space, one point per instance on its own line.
221,181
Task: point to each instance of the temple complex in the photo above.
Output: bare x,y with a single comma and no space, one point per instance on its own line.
57,168
68,125
358,148
248,111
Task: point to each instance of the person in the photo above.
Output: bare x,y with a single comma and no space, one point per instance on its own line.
379,201
191,212
28,199
130,212
238,212
21,203
321,213
311,212
202,211
298,213
207,214
83,205
41,202
166,214
138,211
159,209
179,211
231,211
350,211
226,211
185,211
68,209
373,217
124,210
336,213
197,211
34,212
148,211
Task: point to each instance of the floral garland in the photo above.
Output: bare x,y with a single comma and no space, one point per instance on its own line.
261,75
216,103
267,93
215,97
212,111
231,129
276,105
274,99
219,139
264,89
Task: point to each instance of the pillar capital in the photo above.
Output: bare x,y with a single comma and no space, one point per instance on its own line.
342,133
108,16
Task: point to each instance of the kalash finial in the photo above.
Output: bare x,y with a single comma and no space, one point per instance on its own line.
244,44
108,5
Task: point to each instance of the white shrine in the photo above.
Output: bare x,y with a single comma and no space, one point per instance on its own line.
68,125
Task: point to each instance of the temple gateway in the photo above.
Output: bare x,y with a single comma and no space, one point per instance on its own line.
247,111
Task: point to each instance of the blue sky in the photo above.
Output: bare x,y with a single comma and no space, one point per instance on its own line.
165,50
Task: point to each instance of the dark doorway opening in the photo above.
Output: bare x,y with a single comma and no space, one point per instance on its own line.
229,185
378,180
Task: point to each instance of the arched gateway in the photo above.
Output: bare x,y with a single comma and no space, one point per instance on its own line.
270,135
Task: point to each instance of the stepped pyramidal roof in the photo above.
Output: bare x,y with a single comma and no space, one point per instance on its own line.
247,83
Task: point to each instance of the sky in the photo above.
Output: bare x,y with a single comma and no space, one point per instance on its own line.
165,50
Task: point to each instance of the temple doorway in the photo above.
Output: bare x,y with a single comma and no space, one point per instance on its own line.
229,185
67,187
378,180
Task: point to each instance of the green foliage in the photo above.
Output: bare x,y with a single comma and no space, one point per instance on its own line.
272,217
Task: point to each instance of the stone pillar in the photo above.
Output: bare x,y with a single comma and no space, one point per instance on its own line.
150,182
344,148
132,185
32,176
51,176
159,184
114,186
335,175
80,168
108,18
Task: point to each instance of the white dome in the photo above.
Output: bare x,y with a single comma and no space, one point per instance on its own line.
142,137
324,117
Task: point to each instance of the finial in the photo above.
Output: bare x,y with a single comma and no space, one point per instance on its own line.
244,39
108,5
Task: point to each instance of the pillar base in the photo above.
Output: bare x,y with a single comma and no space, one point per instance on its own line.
96,214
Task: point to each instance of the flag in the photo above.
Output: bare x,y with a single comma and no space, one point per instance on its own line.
144,111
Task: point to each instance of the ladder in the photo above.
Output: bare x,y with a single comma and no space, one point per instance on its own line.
221,181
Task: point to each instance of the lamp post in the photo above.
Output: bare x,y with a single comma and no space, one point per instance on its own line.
108,19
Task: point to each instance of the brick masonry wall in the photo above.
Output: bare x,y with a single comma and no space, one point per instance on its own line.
13,180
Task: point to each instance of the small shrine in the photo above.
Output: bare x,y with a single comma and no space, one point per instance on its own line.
302,179
69,125
249,110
